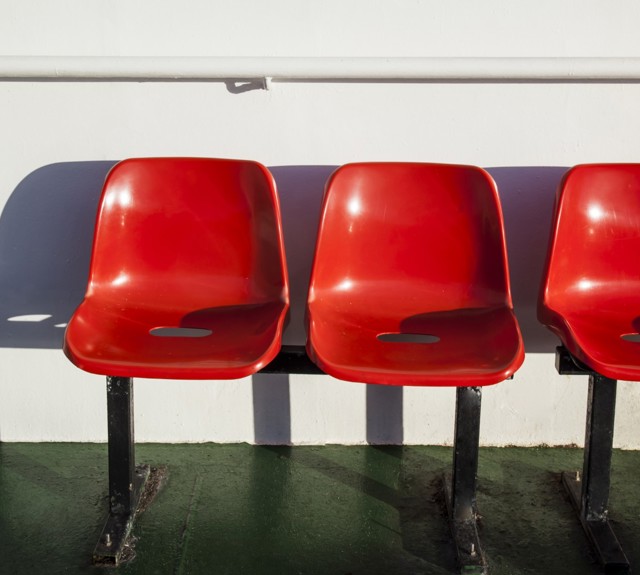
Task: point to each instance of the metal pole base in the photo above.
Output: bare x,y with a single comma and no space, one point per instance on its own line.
113,547
471,558
599,531
589,493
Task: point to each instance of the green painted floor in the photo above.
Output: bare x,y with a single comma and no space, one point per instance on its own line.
255,510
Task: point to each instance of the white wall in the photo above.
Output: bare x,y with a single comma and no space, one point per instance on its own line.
59,138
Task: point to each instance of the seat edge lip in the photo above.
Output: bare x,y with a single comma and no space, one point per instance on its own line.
373,378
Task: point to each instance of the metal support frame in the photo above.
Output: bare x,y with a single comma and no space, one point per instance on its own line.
589,493
126,481
460,487
292,359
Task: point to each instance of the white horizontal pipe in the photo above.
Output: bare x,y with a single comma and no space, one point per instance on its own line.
142,69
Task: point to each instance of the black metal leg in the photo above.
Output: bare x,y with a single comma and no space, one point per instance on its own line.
461,489
598,447
121,444
590,493
125,480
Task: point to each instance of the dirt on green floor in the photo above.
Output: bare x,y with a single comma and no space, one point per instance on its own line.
260,510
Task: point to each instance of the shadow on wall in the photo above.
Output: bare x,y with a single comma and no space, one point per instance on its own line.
46,233
300,189
527,197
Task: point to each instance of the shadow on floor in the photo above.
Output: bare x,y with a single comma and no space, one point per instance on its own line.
240,509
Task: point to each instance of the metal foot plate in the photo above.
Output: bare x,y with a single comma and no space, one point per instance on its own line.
599,532
113,546
471,559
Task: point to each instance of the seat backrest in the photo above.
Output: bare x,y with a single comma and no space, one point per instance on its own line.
595,238
409,230
207,230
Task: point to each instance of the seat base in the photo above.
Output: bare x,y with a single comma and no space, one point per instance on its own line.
604,541
470,346
114,546
236,340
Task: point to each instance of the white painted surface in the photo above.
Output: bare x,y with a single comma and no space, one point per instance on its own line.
58,140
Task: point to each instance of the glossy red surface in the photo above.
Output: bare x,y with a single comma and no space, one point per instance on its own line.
412,249
590,294
183,243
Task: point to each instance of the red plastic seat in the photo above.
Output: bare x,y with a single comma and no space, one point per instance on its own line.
589,298
590,295
405,250
183,247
